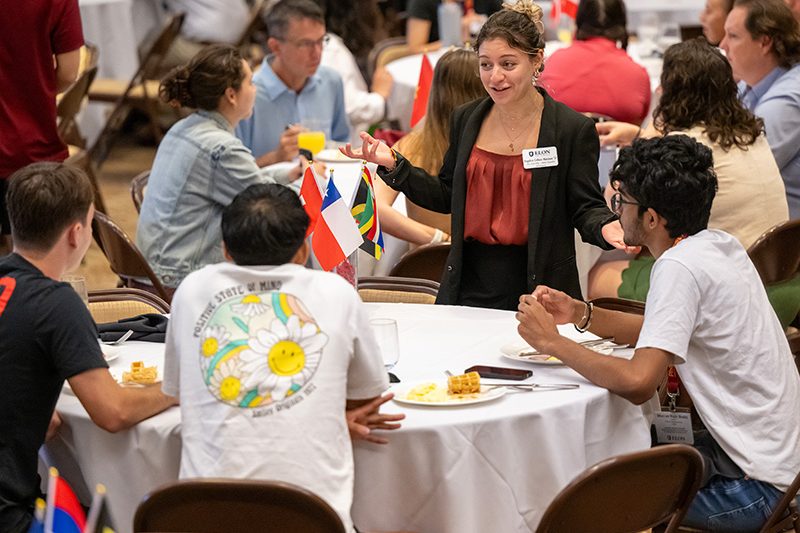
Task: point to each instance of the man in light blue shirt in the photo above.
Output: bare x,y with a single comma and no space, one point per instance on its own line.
762,42
294,91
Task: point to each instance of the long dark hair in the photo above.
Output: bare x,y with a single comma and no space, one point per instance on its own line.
201,82
357,22
602,18
699,90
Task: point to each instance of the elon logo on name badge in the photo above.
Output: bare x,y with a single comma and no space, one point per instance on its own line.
540,157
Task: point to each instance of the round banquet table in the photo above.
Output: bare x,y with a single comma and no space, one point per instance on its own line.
493,466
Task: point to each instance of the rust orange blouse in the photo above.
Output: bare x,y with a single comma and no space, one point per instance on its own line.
498,198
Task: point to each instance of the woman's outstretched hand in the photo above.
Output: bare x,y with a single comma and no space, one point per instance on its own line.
613,234
372,151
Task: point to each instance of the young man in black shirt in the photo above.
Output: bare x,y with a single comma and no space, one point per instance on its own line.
47,334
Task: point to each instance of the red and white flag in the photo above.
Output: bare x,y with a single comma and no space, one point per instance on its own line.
311,198
336,234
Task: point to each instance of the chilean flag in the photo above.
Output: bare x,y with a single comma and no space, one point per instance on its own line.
336,234
64,512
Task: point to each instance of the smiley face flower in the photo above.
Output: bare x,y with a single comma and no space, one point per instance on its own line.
214,338
281,360
226,382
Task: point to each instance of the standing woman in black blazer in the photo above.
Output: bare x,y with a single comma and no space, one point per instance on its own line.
520,173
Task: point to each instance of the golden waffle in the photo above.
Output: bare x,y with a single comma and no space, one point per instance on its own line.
140,374
464,383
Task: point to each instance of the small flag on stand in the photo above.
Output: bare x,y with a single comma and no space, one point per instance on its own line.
365,213
311,198
64,513
423,91
99,519
336,234
37,524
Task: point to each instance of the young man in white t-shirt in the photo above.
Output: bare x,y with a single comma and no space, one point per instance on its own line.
266,355
707,313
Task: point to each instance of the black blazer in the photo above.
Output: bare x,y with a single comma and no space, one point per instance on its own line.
563,197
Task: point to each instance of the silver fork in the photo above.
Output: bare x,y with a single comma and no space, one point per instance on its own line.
125,336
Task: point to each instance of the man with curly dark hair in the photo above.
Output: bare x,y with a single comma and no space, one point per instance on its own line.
762,42
707,313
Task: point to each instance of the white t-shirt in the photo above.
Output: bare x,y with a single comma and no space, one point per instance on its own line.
212,21
707,306
263,360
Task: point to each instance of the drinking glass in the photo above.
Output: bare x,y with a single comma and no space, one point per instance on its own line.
312,138
385,330
78,284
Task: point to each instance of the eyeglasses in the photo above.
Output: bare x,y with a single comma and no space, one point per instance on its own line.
310,44
617,201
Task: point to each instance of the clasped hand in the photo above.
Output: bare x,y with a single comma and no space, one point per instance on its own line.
539,312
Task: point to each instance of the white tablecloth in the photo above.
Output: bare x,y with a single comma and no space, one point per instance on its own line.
489,467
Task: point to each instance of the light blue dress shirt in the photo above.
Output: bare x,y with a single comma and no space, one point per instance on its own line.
199,167
776,99
277,106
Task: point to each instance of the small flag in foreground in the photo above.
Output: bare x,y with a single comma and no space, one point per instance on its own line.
423,91
336,234
64,512
37,524
365,213
563,7
311,198
99,519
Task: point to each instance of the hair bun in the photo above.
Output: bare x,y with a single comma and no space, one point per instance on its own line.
530,10
175,88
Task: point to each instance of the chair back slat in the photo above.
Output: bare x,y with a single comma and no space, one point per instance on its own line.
425,262
628,493
234,506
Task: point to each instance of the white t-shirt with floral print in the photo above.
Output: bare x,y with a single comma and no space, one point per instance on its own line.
263,360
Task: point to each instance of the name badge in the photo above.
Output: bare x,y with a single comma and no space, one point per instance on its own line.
540,157
674,427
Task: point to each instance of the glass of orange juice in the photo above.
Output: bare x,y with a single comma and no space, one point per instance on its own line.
312,138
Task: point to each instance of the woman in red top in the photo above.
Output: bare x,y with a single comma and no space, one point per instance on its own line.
595,74
520,173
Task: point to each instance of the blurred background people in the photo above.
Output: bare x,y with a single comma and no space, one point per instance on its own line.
422,25
352,33
699,99
713,19
294,91
595,74
39,57
200,165
762,42
454,84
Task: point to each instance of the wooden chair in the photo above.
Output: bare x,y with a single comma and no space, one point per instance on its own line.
138,186
80,158
628,493
776,256
111,305
255,25
785,516
425,262
386,51
141,91
70,104
233,506
620,304
124,257
397,290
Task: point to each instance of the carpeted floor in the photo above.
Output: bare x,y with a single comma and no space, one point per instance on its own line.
125,161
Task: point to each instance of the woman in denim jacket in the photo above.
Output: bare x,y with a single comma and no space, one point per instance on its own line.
200,165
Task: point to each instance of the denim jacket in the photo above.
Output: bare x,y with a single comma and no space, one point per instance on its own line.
199,167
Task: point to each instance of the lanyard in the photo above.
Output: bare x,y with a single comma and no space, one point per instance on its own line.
673,387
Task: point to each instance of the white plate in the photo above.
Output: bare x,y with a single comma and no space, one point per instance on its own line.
332,155
487,394
513,351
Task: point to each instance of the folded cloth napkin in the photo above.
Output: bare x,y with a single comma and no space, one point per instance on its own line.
150,327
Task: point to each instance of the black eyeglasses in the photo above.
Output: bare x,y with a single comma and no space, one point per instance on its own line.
617,201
